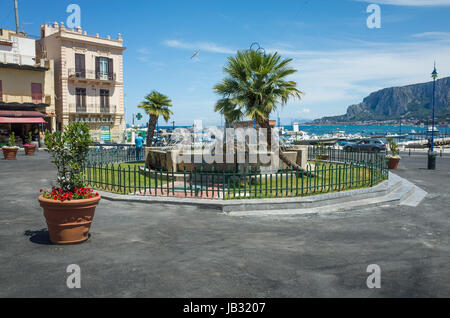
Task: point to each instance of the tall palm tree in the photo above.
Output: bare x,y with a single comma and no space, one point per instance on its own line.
155,105
255,86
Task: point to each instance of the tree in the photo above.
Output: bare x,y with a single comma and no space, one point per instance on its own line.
255,86
69,150
155,105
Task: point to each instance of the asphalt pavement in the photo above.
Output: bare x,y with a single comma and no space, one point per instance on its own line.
141,250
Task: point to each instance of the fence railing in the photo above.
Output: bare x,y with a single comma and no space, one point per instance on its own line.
88,74
339,155
92,109
107,171
105,155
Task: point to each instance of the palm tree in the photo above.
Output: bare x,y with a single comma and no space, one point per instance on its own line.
155,105
255,86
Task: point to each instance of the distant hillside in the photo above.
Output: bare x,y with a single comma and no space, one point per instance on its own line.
411,102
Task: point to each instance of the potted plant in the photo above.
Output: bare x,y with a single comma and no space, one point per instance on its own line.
69,209
30,148
394,157
322,152
10,151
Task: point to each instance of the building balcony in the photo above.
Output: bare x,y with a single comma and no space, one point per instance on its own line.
90,76
20,61
32,99
92,109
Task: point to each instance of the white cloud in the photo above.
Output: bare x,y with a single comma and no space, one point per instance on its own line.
203,46
442,35
333,80
415,3
143,51
143,54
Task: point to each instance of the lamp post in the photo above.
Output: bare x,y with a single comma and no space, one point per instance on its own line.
431,154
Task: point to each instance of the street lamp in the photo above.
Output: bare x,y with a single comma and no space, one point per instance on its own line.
432,155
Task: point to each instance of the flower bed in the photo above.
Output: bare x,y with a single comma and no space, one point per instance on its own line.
59,194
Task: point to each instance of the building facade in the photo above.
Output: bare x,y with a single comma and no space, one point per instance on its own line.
88,79
27,96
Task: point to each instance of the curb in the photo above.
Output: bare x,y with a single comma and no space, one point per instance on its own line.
320,200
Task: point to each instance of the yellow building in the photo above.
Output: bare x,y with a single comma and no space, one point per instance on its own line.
27,100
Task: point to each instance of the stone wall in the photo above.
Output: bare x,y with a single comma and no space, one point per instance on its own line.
157,158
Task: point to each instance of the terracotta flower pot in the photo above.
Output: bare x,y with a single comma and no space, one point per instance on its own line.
29,150
393,163
10,153
69,222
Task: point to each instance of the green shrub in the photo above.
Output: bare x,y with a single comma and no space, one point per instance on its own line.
393,146
69,150
12,140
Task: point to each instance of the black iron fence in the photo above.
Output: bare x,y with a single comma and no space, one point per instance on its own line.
339,172
105,155
339,155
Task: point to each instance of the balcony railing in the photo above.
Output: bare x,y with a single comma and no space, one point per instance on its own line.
92,109
19,59
26,99
91,75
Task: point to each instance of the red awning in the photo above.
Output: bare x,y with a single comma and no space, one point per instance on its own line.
20,113
22,120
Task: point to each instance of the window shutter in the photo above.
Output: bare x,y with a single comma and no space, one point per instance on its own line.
83,65
80,65
84,98
97,67
78,97
110,69
107,98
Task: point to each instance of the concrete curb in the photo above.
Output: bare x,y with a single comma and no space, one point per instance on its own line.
320,200
395,191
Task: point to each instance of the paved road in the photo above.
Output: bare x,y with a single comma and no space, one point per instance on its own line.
139,250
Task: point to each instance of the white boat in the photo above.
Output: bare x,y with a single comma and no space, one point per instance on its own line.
430,129
300,135
339,134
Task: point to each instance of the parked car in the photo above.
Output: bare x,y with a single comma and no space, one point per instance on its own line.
366,145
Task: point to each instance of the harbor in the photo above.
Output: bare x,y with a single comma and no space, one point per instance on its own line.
406,136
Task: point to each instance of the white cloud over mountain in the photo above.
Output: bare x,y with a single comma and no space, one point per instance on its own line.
333,80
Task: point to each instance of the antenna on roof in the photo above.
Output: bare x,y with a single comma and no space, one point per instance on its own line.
16,10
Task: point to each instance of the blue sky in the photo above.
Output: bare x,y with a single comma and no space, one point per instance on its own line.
339,59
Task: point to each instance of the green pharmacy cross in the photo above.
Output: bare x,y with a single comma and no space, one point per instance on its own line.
139,116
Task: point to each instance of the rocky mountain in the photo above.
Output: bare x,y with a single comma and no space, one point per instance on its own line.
412,102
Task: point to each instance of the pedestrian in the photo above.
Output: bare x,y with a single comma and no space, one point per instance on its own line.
139,141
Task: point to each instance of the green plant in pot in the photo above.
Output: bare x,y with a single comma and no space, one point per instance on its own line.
30,148
394,156
10,151
322,152
69,208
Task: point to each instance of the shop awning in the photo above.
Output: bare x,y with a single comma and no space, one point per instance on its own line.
22,120
20,113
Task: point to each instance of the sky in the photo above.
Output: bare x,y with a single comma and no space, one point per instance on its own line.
339,59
